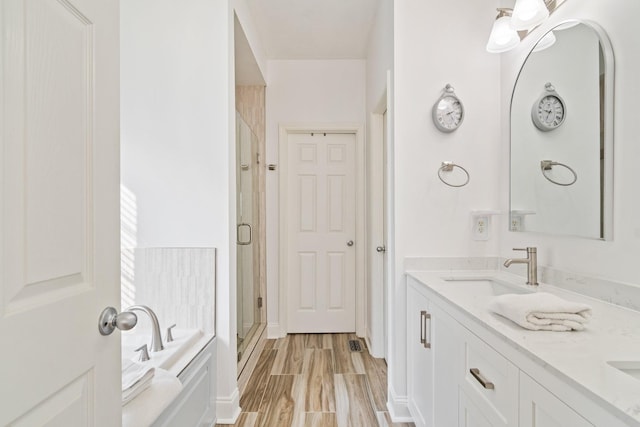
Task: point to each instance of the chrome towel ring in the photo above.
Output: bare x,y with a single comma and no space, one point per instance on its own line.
448,167
547,165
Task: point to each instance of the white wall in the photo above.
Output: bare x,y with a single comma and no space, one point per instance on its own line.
379,63
438,43
616,259
178,139
298,92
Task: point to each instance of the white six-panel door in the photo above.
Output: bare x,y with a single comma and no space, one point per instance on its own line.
321,232
59,192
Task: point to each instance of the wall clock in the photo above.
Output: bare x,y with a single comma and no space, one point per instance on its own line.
549,111
448,111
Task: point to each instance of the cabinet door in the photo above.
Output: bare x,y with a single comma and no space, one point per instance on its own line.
469,415
447,346
540,408
419,358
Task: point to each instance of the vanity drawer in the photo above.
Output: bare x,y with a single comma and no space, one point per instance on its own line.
490,381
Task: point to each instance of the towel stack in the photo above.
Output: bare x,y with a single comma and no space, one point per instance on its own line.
135,379
542,311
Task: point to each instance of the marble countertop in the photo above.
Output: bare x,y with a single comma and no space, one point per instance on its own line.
579,358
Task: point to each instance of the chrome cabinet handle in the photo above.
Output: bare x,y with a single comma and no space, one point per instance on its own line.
482,380
422,337
381,249
240,242
109,320
427,316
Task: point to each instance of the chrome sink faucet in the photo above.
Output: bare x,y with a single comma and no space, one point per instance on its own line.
532,264
156,338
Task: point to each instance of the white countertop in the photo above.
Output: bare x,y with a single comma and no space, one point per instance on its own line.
579,358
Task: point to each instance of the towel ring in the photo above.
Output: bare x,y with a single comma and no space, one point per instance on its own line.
547,165
448,167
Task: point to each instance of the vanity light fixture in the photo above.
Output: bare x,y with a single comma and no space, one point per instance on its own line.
527,14
547,41
503,37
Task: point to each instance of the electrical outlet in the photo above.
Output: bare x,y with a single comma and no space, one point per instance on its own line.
480,227
516,222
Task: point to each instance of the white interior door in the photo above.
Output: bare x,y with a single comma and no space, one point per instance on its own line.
59,213
385,260
321,232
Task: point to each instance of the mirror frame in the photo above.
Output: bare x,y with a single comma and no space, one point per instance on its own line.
608,134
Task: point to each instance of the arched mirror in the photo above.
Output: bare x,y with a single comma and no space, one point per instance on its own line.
562,135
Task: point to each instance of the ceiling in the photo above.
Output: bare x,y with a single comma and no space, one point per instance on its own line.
314,29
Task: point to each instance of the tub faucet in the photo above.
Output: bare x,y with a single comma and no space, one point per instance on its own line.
156,338
532,264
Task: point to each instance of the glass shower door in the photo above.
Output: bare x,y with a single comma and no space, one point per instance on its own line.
248,248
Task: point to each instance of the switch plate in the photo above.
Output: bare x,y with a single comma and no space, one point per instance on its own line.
480,227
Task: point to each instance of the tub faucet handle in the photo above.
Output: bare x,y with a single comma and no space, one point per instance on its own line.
169,334
144,353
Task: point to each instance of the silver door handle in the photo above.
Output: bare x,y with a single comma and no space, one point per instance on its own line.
240,242
381,249
110,320
350,243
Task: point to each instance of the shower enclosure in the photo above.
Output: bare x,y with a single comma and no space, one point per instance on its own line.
250,303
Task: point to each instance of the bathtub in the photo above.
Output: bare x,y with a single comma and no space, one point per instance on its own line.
184,341
191,359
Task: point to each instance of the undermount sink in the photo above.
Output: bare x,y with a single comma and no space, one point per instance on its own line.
631,368
488,286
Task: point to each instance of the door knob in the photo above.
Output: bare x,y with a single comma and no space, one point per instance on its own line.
350,243
110,320
381,249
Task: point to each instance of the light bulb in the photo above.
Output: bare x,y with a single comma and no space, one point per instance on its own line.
528,14
503,37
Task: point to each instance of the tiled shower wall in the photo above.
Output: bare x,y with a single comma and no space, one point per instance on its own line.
177,283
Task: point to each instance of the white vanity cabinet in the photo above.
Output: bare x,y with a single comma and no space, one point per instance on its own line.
540,408
195,405
433,341
460,374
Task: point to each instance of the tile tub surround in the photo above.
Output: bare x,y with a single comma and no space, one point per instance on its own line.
177,283
576,358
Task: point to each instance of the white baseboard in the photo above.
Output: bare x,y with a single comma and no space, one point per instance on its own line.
398,407
228,408
274,331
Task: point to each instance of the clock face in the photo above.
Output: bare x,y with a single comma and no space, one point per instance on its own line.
549,113
448,113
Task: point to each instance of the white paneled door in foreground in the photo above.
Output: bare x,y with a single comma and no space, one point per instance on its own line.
321,232
59,215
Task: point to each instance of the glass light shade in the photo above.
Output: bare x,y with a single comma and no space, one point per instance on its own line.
503,37
528,13
547,41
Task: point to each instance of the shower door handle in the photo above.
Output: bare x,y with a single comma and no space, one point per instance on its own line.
241,242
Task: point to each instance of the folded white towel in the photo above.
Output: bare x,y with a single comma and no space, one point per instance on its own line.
541,311
136,377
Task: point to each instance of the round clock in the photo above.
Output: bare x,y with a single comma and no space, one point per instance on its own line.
549,111
448,111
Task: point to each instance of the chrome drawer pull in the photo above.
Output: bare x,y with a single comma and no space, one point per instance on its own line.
427,316
476,374
422,338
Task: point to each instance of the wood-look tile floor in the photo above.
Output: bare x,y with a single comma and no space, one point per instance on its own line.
315,380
